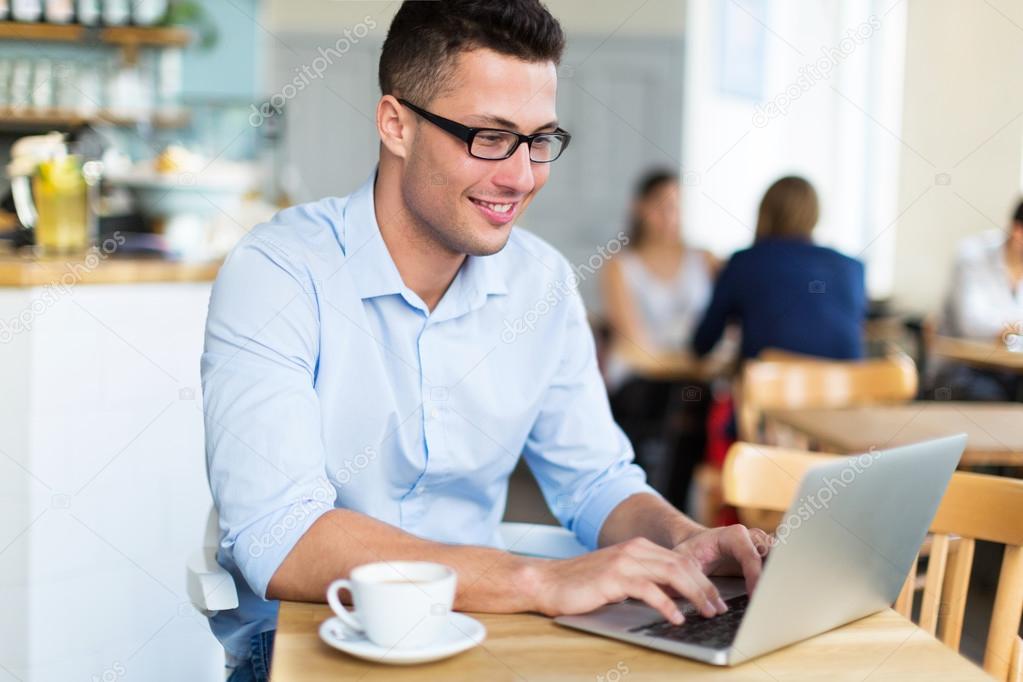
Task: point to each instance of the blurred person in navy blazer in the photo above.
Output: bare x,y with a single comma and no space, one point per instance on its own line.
785,291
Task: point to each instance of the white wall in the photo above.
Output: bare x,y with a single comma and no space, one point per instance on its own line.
103,491
964,119
835,95
628,17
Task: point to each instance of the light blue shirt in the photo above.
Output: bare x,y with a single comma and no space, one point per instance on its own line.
328,383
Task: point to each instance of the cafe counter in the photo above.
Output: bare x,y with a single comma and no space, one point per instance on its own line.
18,270
102,464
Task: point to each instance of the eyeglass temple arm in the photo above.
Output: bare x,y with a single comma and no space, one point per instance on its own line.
452,127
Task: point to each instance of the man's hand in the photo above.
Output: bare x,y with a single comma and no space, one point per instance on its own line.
731,550
636,568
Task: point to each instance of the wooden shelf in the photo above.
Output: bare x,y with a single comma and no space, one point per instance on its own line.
56,118
157,36
123,36
21,30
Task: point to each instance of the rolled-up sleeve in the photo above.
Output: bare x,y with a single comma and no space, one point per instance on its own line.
579,456
264,449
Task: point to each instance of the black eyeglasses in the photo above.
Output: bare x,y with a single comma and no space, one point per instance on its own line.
494,144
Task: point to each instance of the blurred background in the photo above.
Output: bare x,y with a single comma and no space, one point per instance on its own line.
169,129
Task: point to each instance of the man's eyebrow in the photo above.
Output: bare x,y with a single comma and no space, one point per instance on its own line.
501,122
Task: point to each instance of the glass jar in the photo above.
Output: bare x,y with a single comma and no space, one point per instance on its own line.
62,204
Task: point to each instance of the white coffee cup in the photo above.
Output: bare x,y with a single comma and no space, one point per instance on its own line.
398,604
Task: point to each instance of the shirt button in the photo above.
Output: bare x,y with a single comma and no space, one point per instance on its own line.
434,413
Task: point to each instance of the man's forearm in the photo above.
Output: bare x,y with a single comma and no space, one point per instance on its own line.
648,516
488,579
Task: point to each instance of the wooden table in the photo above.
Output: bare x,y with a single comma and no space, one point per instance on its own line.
675,366
994,430
982,354
529,648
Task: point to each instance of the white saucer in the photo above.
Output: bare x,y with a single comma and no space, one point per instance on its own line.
460,634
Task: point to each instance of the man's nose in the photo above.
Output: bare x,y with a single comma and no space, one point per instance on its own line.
516,172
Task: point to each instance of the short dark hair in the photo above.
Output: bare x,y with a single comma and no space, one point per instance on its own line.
426,37
1018,216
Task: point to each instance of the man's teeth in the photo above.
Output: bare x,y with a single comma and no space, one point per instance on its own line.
497,208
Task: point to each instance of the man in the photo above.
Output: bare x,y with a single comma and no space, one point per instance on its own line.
363,398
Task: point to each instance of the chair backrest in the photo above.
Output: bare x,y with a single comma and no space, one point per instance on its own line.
792,381
975,507
781,355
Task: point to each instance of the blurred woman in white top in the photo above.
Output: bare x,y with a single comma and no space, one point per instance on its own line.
985,302
654,293
656,289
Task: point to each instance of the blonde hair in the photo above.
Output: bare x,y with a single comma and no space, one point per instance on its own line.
789,209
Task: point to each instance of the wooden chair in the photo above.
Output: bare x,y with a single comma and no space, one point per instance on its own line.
790,381
975,507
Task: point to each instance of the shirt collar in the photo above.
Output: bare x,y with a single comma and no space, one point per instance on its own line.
375,273
366,255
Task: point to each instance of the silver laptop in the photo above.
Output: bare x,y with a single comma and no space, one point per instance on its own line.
844,549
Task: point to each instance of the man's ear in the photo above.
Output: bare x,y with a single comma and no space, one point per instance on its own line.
393,126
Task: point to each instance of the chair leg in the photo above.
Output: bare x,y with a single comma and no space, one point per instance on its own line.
708,500
930,605
904,602
1003,634
954,590
1016,664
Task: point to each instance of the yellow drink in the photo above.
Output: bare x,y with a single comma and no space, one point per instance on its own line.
61,198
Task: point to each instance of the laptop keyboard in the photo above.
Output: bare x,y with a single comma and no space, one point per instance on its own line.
717,632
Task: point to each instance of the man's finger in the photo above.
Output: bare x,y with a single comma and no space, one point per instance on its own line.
736,541
679,573
656,598
689,581
761,540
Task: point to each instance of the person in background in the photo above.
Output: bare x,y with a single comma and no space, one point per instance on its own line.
786,292
985,302
654,294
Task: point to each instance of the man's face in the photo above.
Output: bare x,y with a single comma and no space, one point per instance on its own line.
468,205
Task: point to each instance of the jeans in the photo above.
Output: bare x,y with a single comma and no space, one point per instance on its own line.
257,667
